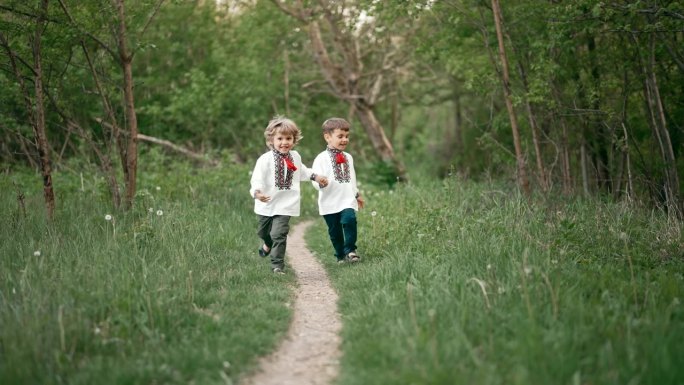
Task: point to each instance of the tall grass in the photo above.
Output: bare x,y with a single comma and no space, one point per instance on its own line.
461,283
169,292
467,283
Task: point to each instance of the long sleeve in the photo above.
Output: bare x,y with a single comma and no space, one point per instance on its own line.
259,175
272,177
340,193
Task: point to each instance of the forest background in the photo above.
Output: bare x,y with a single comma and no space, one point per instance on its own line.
581,98
520,160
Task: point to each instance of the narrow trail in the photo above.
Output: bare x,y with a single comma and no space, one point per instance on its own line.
309,354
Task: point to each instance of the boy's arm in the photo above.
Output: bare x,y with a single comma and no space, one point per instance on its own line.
355,188
320,180
257,185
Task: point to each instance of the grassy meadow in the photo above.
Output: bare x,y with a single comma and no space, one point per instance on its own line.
466,283
461,283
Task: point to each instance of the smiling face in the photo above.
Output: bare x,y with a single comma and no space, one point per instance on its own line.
282,142
338,139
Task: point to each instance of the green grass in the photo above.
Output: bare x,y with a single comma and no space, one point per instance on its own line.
463,283
179,297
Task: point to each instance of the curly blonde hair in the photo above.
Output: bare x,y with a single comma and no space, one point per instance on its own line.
283,125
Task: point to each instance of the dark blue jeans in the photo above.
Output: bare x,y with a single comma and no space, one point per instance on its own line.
342,231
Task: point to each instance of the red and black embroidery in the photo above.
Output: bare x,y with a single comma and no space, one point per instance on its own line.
340,165
284,170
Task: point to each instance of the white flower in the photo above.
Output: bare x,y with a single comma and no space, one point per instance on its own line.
157,188
160,213
108,217
36,253
373,213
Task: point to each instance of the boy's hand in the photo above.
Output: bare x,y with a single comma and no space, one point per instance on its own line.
262,197
360,201
322,181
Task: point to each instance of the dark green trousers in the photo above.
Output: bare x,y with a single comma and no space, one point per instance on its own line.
273,231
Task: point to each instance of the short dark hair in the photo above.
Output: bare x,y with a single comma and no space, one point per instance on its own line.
333,124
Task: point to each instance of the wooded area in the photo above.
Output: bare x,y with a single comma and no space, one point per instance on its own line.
571,98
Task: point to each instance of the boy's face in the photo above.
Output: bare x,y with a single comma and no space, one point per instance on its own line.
338,139
282,143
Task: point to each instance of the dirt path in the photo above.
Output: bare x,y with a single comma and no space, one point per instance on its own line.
309,354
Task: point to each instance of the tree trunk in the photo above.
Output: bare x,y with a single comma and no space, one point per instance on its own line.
585,168
39,113
286,80
660,131
541,170
523,182
343,83
131,119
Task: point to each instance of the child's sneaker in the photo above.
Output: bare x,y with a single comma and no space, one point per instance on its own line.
277,270
353,257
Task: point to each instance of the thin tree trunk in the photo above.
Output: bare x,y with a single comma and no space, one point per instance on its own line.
672,188
39,121
541,170
286,80
458,121
523,182
126,59
599,135
629,186
583,162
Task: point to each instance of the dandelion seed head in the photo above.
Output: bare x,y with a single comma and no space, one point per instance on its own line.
151,210
97,330
374,213
226,365
160,213
158,188
528,270
108,217
14,290
489,266
623,236
36,253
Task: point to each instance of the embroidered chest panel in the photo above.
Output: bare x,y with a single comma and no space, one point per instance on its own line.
283,176
340,166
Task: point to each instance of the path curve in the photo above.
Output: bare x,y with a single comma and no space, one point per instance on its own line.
310,353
